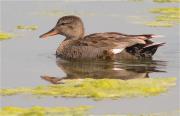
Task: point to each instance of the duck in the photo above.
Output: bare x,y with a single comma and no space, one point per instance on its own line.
105,45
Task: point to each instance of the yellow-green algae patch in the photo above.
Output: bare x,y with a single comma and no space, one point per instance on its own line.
100,88
159,24
166,10
44,111
30,27
4,35
166,113
167,17
67,111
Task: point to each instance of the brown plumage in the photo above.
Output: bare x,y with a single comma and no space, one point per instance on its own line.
108,45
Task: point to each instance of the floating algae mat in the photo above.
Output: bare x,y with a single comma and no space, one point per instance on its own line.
44,111
159,24
99,88
4,35
66,111
168,113
30,27
167,17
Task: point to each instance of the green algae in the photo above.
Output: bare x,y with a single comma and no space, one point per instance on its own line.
167,113
44,111
159,24
99,89
68,111
4,35
166,17
166,10
30,27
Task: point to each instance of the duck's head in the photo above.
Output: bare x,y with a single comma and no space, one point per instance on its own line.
68,26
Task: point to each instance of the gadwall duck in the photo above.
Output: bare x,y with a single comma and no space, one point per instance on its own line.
108,45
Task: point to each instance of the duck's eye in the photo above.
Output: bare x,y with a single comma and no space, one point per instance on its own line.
63,23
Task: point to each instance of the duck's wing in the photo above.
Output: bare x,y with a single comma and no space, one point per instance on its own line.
142,36
118,35
112,40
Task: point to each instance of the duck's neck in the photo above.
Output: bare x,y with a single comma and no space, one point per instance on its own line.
74,37
77,33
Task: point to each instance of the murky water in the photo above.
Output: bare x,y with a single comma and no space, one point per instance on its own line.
26,58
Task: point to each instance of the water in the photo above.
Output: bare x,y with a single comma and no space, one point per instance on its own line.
26,59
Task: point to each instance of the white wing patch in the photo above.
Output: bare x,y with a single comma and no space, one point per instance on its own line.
117,50
157,36
118,69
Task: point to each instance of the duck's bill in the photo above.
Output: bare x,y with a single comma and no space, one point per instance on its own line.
50,33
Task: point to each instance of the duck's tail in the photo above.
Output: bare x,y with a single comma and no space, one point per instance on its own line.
146,36
144,51
149,36
150,50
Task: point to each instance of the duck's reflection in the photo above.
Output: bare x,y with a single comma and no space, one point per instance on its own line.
104,69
